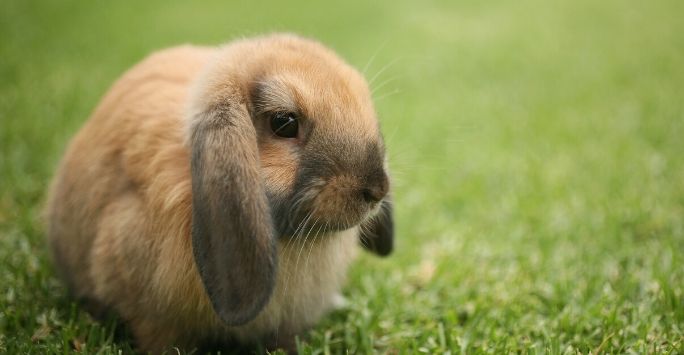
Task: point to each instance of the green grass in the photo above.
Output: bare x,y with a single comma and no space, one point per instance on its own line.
537,149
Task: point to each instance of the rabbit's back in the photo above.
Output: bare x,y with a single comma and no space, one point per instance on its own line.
137,129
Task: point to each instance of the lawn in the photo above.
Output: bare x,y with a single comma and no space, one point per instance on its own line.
537,151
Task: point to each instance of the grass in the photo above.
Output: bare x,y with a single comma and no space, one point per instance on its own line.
537,149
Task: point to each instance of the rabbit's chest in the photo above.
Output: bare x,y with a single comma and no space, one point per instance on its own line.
310,278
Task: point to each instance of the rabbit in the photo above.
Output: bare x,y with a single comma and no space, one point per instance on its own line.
217,195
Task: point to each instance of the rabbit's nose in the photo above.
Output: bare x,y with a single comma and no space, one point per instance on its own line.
377,188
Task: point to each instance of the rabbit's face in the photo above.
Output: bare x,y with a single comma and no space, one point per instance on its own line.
322,155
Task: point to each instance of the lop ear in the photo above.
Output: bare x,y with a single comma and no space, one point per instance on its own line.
232,230
378,234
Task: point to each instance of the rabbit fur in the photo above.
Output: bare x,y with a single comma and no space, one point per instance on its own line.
177,207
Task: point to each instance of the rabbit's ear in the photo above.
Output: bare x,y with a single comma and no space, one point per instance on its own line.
232,229
378,234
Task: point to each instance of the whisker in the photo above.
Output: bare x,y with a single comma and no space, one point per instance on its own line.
298,239
301,225
372,58
382,84
286,249
394,92
304,244
313,242
288,273
370,82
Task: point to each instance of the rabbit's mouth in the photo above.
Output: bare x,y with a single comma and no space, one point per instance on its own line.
326,206
313,225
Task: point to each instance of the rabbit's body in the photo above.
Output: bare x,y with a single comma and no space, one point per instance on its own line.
121,221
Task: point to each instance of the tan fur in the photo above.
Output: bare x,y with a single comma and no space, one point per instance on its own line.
120,205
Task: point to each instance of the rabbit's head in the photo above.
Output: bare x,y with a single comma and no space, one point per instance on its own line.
285,142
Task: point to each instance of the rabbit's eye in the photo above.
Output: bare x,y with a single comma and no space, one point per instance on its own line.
284,124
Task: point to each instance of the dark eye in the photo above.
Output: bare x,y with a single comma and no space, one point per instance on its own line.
284,124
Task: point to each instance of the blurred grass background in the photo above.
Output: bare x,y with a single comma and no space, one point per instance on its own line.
537,149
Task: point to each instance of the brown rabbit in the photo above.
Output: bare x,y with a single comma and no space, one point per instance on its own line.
218,194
